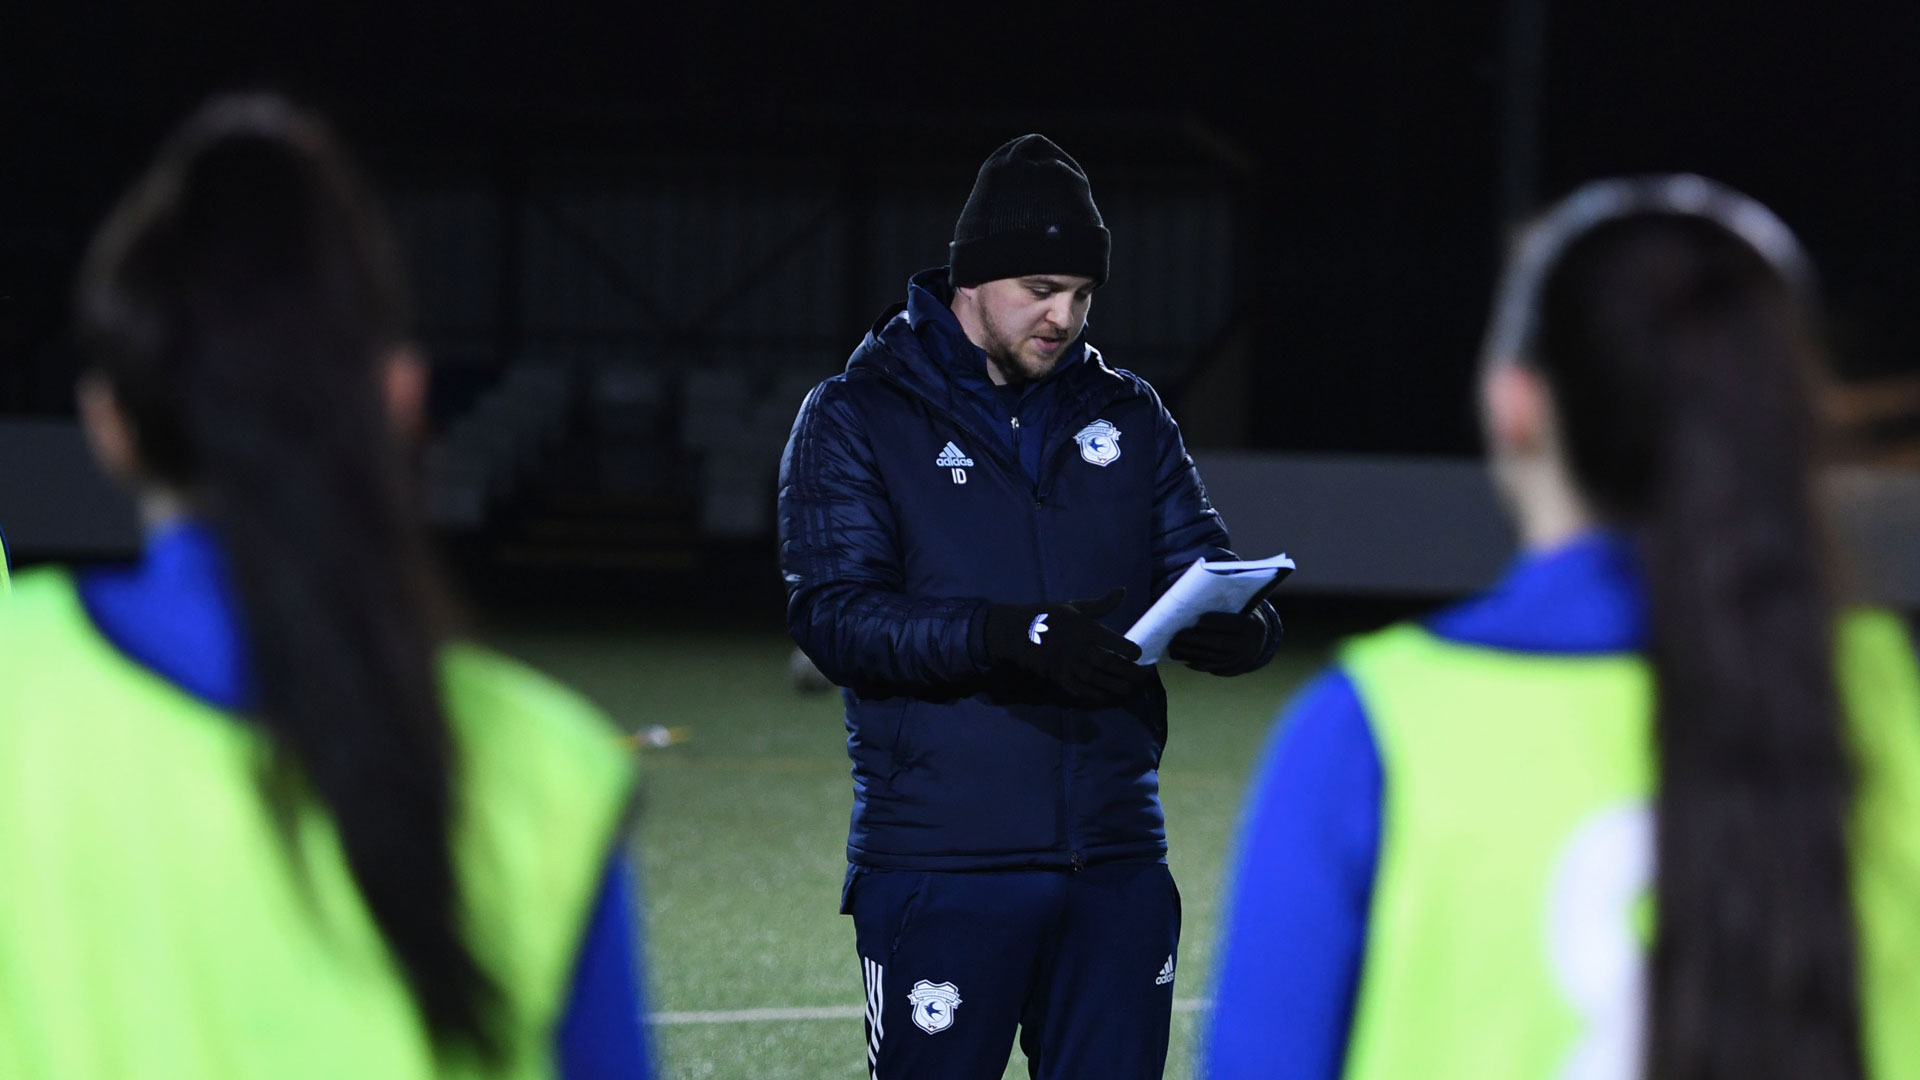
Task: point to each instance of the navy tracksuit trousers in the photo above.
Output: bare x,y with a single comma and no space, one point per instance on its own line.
1080,962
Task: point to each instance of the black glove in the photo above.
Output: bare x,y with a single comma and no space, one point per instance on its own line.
1066,645
1221,642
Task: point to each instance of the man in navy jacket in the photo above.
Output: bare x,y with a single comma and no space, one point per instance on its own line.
969,517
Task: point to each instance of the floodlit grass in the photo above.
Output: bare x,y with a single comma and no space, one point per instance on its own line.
743,832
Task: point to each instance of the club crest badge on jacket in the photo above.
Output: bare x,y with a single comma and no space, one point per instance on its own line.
1099,443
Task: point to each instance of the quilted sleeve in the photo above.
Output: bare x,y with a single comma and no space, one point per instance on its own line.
839,554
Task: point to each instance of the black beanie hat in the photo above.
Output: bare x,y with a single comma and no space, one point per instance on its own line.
1031,212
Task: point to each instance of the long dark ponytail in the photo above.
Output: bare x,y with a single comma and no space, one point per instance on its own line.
242,302
1677,340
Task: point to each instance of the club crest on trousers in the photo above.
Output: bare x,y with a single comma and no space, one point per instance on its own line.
934,1005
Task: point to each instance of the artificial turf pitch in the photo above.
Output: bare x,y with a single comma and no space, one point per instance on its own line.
742,833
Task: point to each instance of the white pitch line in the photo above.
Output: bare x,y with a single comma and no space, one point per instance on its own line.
819,1012
750,1016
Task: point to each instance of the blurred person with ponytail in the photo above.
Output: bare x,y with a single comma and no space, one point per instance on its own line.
1651,805
260,813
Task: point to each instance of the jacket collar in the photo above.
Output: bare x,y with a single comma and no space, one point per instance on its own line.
904,344
930,314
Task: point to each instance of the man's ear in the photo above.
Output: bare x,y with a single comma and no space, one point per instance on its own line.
110,434
404,387
1514,405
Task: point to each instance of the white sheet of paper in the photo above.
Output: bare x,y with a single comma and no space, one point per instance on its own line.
1206,586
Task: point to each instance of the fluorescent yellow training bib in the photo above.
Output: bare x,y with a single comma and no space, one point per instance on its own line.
1512,900
155,923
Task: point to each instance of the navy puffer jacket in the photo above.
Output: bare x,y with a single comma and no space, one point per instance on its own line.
892,551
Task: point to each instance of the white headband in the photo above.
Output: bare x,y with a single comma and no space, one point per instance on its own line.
1540,245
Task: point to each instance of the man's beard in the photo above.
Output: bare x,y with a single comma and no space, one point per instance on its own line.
1007,359
1007,362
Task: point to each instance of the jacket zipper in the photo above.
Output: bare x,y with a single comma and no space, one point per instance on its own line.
1037,493
1067,722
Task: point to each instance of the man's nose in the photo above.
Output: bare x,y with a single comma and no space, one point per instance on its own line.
1060,312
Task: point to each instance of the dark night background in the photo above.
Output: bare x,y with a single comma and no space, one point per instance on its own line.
1367,135
640,232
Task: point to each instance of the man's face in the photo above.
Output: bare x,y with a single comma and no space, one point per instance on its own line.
1028,322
